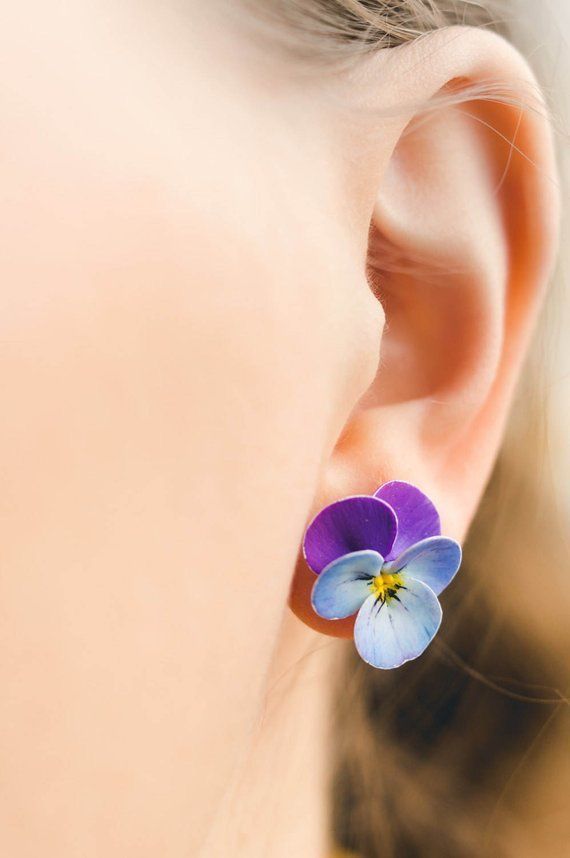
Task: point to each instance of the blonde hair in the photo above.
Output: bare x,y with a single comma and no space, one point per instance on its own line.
329,30
421,756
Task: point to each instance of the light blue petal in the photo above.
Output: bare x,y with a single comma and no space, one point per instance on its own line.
389,634
434,561
344,584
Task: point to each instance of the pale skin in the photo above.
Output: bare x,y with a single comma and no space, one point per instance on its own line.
190,369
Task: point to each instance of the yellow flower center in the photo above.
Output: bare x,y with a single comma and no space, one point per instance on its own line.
385,586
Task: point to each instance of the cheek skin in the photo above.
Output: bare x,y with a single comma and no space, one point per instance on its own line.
156,478
146,553
168,399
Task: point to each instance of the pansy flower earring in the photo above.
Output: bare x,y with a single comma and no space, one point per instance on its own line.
382,556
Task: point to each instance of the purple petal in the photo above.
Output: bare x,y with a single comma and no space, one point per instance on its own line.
417,516
388,634
351,524
344,584
434,561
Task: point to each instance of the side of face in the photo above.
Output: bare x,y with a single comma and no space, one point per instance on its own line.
183,332
193,363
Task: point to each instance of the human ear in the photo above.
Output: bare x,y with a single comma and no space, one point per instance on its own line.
463,214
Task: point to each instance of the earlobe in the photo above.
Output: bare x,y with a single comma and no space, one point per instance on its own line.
463,231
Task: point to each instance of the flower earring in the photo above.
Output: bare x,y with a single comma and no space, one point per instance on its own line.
382,556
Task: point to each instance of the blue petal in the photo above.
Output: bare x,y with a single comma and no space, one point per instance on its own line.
389,634
434,561
344,584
